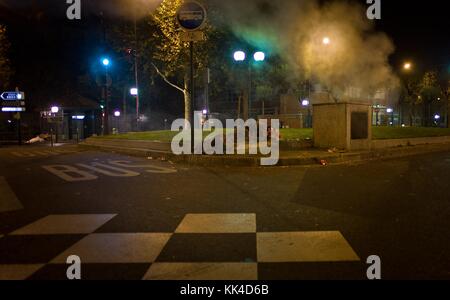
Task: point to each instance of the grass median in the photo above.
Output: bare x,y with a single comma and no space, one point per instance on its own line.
379,133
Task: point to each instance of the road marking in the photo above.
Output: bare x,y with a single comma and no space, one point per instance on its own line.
8,199
23,154
112,169
18,272
64,172
202,271
118,171
155,169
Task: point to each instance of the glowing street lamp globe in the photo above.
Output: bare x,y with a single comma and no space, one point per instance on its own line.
259,56
390,110
326,40
117,113
55,109
239,56
105,62
134,91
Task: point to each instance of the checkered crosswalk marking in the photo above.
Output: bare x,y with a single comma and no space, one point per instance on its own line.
218,223
325,246
202,271
8,200
18,272
203,247
41,153
65,224
118,248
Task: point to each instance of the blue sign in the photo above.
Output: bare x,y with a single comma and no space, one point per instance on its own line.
191,16
12,96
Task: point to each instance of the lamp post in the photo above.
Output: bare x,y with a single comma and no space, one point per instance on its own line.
391,112
106,63
240,57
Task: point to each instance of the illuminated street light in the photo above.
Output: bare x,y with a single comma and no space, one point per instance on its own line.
55,109
134,92
205,111
305,103
259,56
105,62
239,56
117,113
389,110
326,40
437,117
407,66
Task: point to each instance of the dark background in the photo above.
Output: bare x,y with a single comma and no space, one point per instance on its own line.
50,53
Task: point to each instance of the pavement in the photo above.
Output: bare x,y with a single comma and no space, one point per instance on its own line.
129,217
304,157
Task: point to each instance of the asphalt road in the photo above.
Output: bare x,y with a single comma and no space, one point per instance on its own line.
397,209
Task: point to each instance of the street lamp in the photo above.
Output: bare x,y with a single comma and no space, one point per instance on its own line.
306,103
258,56
326,41
117,114
391,111
239,56
55,109
134,92
106,62
407,66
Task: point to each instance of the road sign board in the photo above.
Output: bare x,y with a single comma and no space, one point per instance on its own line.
192,36
13,109
191,16
12,96
12,103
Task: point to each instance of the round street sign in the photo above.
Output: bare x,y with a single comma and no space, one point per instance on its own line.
191,16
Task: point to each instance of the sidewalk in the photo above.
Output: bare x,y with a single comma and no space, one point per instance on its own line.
308,157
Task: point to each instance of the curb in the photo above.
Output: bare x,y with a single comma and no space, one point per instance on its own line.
254,161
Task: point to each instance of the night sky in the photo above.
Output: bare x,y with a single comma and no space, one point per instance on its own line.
43,40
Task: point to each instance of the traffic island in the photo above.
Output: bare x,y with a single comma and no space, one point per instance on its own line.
381,149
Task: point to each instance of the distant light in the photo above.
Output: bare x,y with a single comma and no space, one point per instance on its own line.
326,40
9,121
105,62
407,66
55,109
78,117
239,56
134,92
305,102
439,99
437,117
117,113
403,125
205,111
19,96
259,56
390,110
391,123
102,106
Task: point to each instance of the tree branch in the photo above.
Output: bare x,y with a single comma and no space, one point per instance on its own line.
164,77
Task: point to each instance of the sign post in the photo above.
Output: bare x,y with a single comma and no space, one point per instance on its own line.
192,18
14,102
